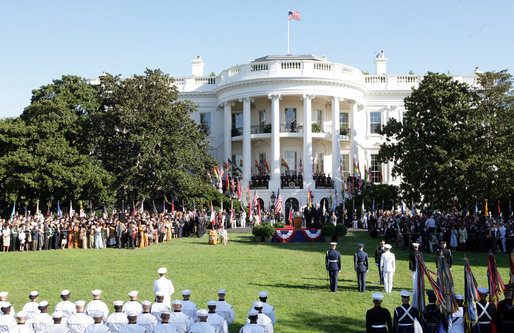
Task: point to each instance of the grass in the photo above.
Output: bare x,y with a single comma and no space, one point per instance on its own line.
293,273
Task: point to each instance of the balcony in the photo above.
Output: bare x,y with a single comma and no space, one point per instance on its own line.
291,181
322,181
260,182
291,128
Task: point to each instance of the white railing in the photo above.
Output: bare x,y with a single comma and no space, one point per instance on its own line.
374,79
259,67
205,80
321,66
406,82
291,65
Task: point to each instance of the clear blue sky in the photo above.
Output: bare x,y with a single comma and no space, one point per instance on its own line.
42,40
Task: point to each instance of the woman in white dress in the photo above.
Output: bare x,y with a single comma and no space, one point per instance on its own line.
6,238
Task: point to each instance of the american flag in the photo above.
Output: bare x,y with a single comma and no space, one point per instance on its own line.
278,205
294,16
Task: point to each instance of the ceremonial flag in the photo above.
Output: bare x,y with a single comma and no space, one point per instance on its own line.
322,166
239,189
380,175
402,207
300,166
284,164
365,173
48,205
471,297
266,165
412,207
227,182
496,285
363,209
343,196
293,16
255,198
123,206
250,212
335,201
373,207
13,209
449,305
317,167
257,167
418,292
499,210
215,172
213,214
173,206
486,210
476,208
225,165
278,205
259,210
231,213
232,185
163,205
81,210
309,197
291,211
72,212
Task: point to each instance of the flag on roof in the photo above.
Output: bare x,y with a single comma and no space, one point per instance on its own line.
293,16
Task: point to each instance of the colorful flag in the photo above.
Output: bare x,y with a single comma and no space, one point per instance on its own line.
284,164
496,285
232,186
471,297
418,291
322,166
476,208
266,165
173,206
13,209
317,167
373,207
213,215
355,169
291,211
448,303
163,205
239,193
486,210
215,171
257,167
293,16
335,201
309,197
259,210
499,210
300,166
365,173
48,205
380,175
250,212
225,165
72,212
278,205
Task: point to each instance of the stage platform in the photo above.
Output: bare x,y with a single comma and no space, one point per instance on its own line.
285,235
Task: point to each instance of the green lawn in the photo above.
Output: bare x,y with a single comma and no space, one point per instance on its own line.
293,273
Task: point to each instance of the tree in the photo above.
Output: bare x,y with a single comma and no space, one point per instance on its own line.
145,137
448,147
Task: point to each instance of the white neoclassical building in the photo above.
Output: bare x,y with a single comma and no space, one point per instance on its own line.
302,109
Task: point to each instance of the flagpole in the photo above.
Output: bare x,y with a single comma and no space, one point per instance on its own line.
288,20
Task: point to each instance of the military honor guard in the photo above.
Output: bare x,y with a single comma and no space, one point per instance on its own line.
97,326
444,252
225,309
97,305
405,315
189,308
378,256
66,307
202,326
388,267
165,326
78,321
506,312
413,269
132,326
178,319
164,285
361,266
431,316
251,325
456,319
378,319
133,304
333,265
118,318
486,311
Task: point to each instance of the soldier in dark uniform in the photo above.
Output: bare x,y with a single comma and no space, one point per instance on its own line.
378,319
361,266
333,265
486,312
446,253
506,313
404,315
432,317
378,255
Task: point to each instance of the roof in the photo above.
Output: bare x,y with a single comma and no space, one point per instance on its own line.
290,57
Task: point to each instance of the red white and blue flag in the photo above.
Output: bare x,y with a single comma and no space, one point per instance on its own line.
278,205
294,16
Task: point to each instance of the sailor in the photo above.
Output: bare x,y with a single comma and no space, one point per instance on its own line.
22,326
223,308
388,267
165,326
360,265
97,305
132,326
58,326
159,306
506,312
178,319
267,309
202,326
405,315
251,325
486,311
66,307
97,326
164,285
262,319
118,318
78,321
31,308
378,255
456,319
41,320
189,308
446,253
431,316
216,320
378,319
133,304
333,265
147,319
7,322
3,300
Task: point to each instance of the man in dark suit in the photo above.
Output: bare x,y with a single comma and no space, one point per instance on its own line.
333,265
361,266
446,253
131,236
378,255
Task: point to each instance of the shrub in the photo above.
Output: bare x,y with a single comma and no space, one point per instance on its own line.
316,128
257,230
340,230
268,230
328,230
279,225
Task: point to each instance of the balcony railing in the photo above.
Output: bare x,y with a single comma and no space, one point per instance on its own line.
322,181
291,181
291,128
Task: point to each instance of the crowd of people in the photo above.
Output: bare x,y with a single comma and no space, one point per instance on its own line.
161,316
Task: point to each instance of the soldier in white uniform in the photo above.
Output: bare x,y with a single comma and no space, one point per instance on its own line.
146,318
202,326
22,327
456,319
117,319
189,308
251,325
133,304
58,326
164,285
7,322
97,305
42,320
225,309
132,326
165,326
78,321
179,319
215,319
3,300
388,267
31,308
65,306
267,309
97,326
159,306
262,319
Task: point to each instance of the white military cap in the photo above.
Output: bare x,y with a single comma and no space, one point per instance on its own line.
146,303
133,293
483,290
159,293
177,302
257,304
165,311
253,312
131,314
80,303
57,314
65,292
34,293
458,296
4,294
415,244
405,293
202,313
377,296
263,294
21,314
211,303
97,314
162,270
222,291
118,303
388,246
186,292
333,243
43,304
96,292
6,305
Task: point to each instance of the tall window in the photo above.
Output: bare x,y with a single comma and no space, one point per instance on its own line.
375,121
290,159
375,168
318,116
319,165
404,116
290,115
237,120
343,119
205,121
262,157
345,160
262,117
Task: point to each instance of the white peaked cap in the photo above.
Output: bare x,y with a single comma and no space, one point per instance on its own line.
146,303
388,246
96,292
177,302
34,293
377,296
405,293
65,292
222,291
253,312
211,303
117,303
257,304
57,314
186,292
162,270
43,304
483,290
133,293
202,313
263,294
80,303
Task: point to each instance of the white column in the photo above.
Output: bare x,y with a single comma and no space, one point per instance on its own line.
336,149
275,142
307,142
353,143
247,146
227,134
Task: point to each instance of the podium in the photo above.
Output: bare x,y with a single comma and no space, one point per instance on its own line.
298,223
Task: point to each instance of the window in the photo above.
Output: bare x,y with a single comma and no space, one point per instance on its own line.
238,160
404,116
237,120
345,161
290,159
376,169
318,116
318,166
262,117
374,121
343,119
205,122
290,115
262,157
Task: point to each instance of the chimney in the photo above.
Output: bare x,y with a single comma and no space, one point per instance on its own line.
380,64
197,66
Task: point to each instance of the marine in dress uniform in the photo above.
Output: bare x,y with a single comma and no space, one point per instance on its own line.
165,326
486,311
65,306
178,319
361,266
506,312
456,319
147,319
97,305
189,308
78,321
133,304
431,316
251,325
378,319
333,265
225,309
164,285
216,320
378,255
202,326
97,326
262,319
118,318
267,309
446,253
388,267
404,315
132,326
